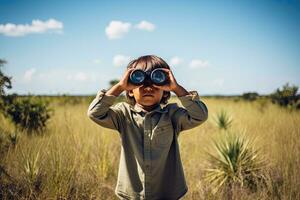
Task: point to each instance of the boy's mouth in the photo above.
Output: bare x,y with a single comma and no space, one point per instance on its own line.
147,95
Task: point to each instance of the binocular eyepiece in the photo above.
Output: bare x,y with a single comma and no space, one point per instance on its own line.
157,77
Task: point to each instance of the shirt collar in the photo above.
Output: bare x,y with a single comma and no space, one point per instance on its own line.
138,109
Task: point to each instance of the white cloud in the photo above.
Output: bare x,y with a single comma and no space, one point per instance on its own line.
145,25
116,29
36,26
175,61
28,74
196,63
121,60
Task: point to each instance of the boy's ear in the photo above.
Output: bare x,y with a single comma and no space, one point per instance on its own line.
130,93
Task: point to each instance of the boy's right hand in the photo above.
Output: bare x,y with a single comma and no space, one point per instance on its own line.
124,82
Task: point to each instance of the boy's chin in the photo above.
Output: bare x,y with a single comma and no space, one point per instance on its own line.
148,103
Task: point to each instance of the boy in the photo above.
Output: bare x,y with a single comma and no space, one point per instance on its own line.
150,166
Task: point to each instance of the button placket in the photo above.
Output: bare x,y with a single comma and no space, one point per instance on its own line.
147,154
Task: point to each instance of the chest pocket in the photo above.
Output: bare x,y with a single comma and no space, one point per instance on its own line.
163,135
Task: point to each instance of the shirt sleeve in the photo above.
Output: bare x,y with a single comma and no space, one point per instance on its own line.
102,111
193,113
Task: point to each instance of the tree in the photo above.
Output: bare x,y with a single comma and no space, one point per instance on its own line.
250,96
113,82
287,96
4,80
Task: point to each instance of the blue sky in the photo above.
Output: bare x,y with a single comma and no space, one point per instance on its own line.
214,47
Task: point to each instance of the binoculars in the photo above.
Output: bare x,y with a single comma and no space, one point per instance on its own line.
157,77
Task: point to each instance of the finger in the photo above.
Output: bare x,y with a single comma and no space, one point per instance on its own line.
129,70
171,76
127,73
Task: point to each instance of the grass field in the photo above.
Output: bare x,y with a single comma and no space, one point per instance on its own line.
77,159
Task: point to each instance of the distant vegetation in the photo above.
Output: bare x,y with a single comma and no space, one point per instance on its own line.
287,96
113,82
250,96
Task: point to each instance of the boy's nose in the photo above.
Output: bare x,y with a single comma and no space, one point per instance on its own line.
148,89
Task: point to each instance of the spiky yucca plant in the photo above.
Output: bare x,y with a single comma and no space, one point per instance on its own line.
223,120
235,162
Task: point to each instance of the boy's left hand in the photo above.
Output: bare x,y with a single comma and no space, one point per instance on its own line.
172,84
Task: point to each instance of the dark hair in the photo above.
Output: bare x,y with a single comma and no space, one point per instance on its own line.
148,62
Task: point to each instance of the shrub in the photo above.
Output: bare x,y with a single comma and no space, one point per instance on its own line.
222,120
28,113
287,96
234,163
250,96
113,82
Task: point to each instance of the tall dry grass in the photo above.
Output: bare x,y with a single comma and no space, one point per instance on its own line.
77,159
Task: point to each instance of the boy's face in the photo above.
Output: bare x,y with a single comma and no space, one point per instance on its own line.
147,95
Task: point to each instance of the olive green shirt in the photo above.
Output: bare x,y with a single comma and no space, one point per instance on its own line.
150,165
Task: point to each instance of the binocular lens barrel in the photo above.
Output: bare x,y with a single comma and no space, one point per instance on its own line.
157,76
137,77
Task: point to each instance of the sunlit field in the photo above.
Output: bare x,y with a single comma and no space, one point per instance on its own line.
77,159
